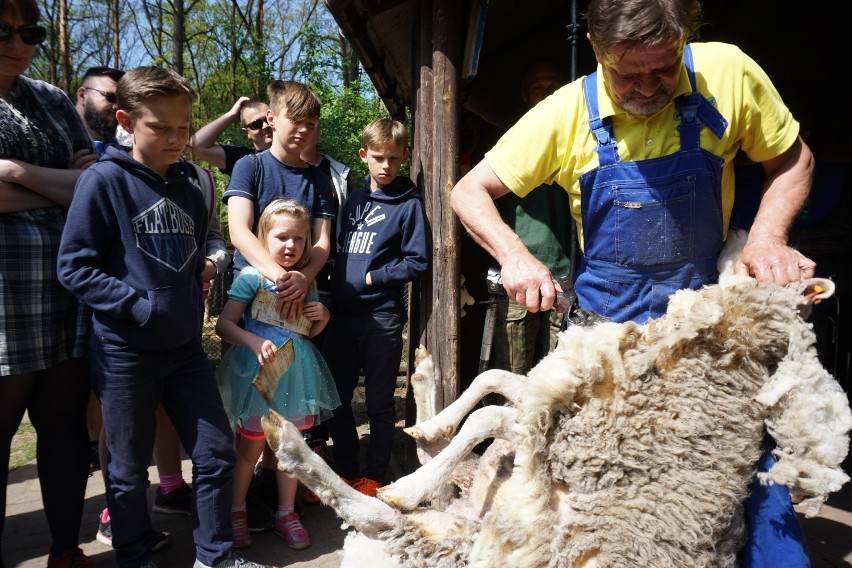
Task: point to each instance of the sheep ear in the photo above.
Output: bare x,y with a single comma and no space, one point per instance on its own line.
818,289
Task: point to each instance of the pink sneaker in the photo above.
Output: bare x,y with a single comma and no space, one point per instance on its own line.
239,521
291,529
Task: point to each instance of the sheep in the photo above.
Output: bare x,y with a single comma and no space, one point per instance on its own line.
628,445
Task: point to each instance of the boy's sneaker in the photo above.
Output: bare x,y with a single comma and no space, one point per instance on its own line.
260,516
233,560
239,522
291,529
366,486
94,458
177,501
264,484
104,535
158,540
73,558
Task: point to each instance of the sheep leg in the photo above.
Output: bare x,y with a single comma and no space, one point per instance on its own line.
490,422
444,424
368,515
423,386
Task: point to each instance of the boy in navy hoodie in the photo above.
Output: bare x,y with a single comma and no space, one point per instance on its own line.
133,249
382,246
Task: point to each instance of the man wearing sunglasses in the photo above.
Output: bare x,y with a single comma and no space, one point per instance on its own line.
251,114
96,104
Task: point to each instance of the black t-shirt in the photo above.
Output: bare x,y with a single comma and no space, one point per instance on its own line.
232,154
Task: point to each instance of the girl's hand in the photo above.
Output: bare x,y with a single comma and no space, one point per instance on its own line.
315,311
264,349
82,159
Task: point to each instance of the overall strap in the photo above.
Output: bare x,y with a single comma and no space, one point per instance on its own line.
695,110
607,148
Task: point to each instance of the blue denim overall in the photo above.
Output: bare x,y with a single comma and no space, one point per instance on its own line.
653,227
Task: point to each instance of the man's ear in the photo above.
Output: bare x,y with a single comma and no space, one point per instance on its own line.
81,93
124,120
595,49
270,118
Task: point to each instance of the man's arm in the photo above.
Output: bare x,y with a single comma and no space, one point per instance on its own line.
294,285
203,145
765,255
526,280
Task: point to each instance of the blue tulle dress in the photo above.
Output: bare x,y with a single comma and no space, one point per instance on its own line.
306,394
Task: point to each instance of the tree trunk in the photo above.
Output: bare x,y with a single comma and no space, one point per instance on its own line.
64,55
178,35
350,66
116,34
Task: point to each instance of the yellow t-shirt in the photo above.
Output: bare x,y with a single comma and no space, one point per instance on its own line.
552,143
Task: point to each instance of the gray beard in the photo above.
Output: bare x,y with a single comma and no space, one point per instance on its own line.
647,109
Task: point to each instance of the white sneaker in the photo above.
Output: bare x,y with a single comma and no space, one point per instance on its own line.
233,560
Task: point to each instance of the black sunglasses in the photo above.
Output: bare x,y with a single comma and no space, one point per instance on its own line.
32,34
109,96
256,124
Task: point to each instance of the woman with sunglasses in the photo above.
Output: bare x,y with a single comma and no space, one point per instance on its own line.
43,149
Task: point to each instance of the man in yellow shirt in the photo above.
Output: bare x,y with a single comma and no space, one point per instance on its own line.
644,147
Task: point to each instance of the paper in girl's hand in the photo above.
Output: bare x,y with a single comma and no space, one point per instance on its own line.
273,369
263,309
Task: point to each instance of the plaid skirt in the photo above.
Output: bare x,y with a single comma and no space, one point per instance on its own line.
39,318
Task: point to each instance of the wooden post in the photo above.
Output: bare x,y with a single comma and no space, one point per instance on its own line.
437,59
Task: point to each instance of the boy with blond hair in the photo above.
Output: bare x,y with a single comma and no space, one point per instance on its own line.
382,246
257,180
280,172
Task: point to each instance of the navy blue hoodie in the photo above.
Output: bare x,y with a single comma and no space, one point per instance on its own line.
382,232
133,250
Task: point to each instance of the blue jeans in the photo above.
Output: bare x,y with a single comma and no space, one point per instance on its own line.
130,383
774,538
372,342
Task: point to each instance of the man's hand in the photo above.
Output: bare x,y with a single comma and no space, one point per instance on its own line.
235,110
82,159
773,261
209,272
529,283
292,288
292,285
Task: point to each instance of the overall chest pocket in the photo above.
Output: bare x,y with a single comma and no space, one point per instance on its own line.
654,228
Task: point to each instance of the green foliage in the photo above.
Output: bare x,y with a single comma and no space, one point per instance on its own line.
346,109
345,113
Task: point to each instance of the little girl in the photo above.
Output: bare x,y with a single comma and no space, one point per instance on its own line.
305,393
